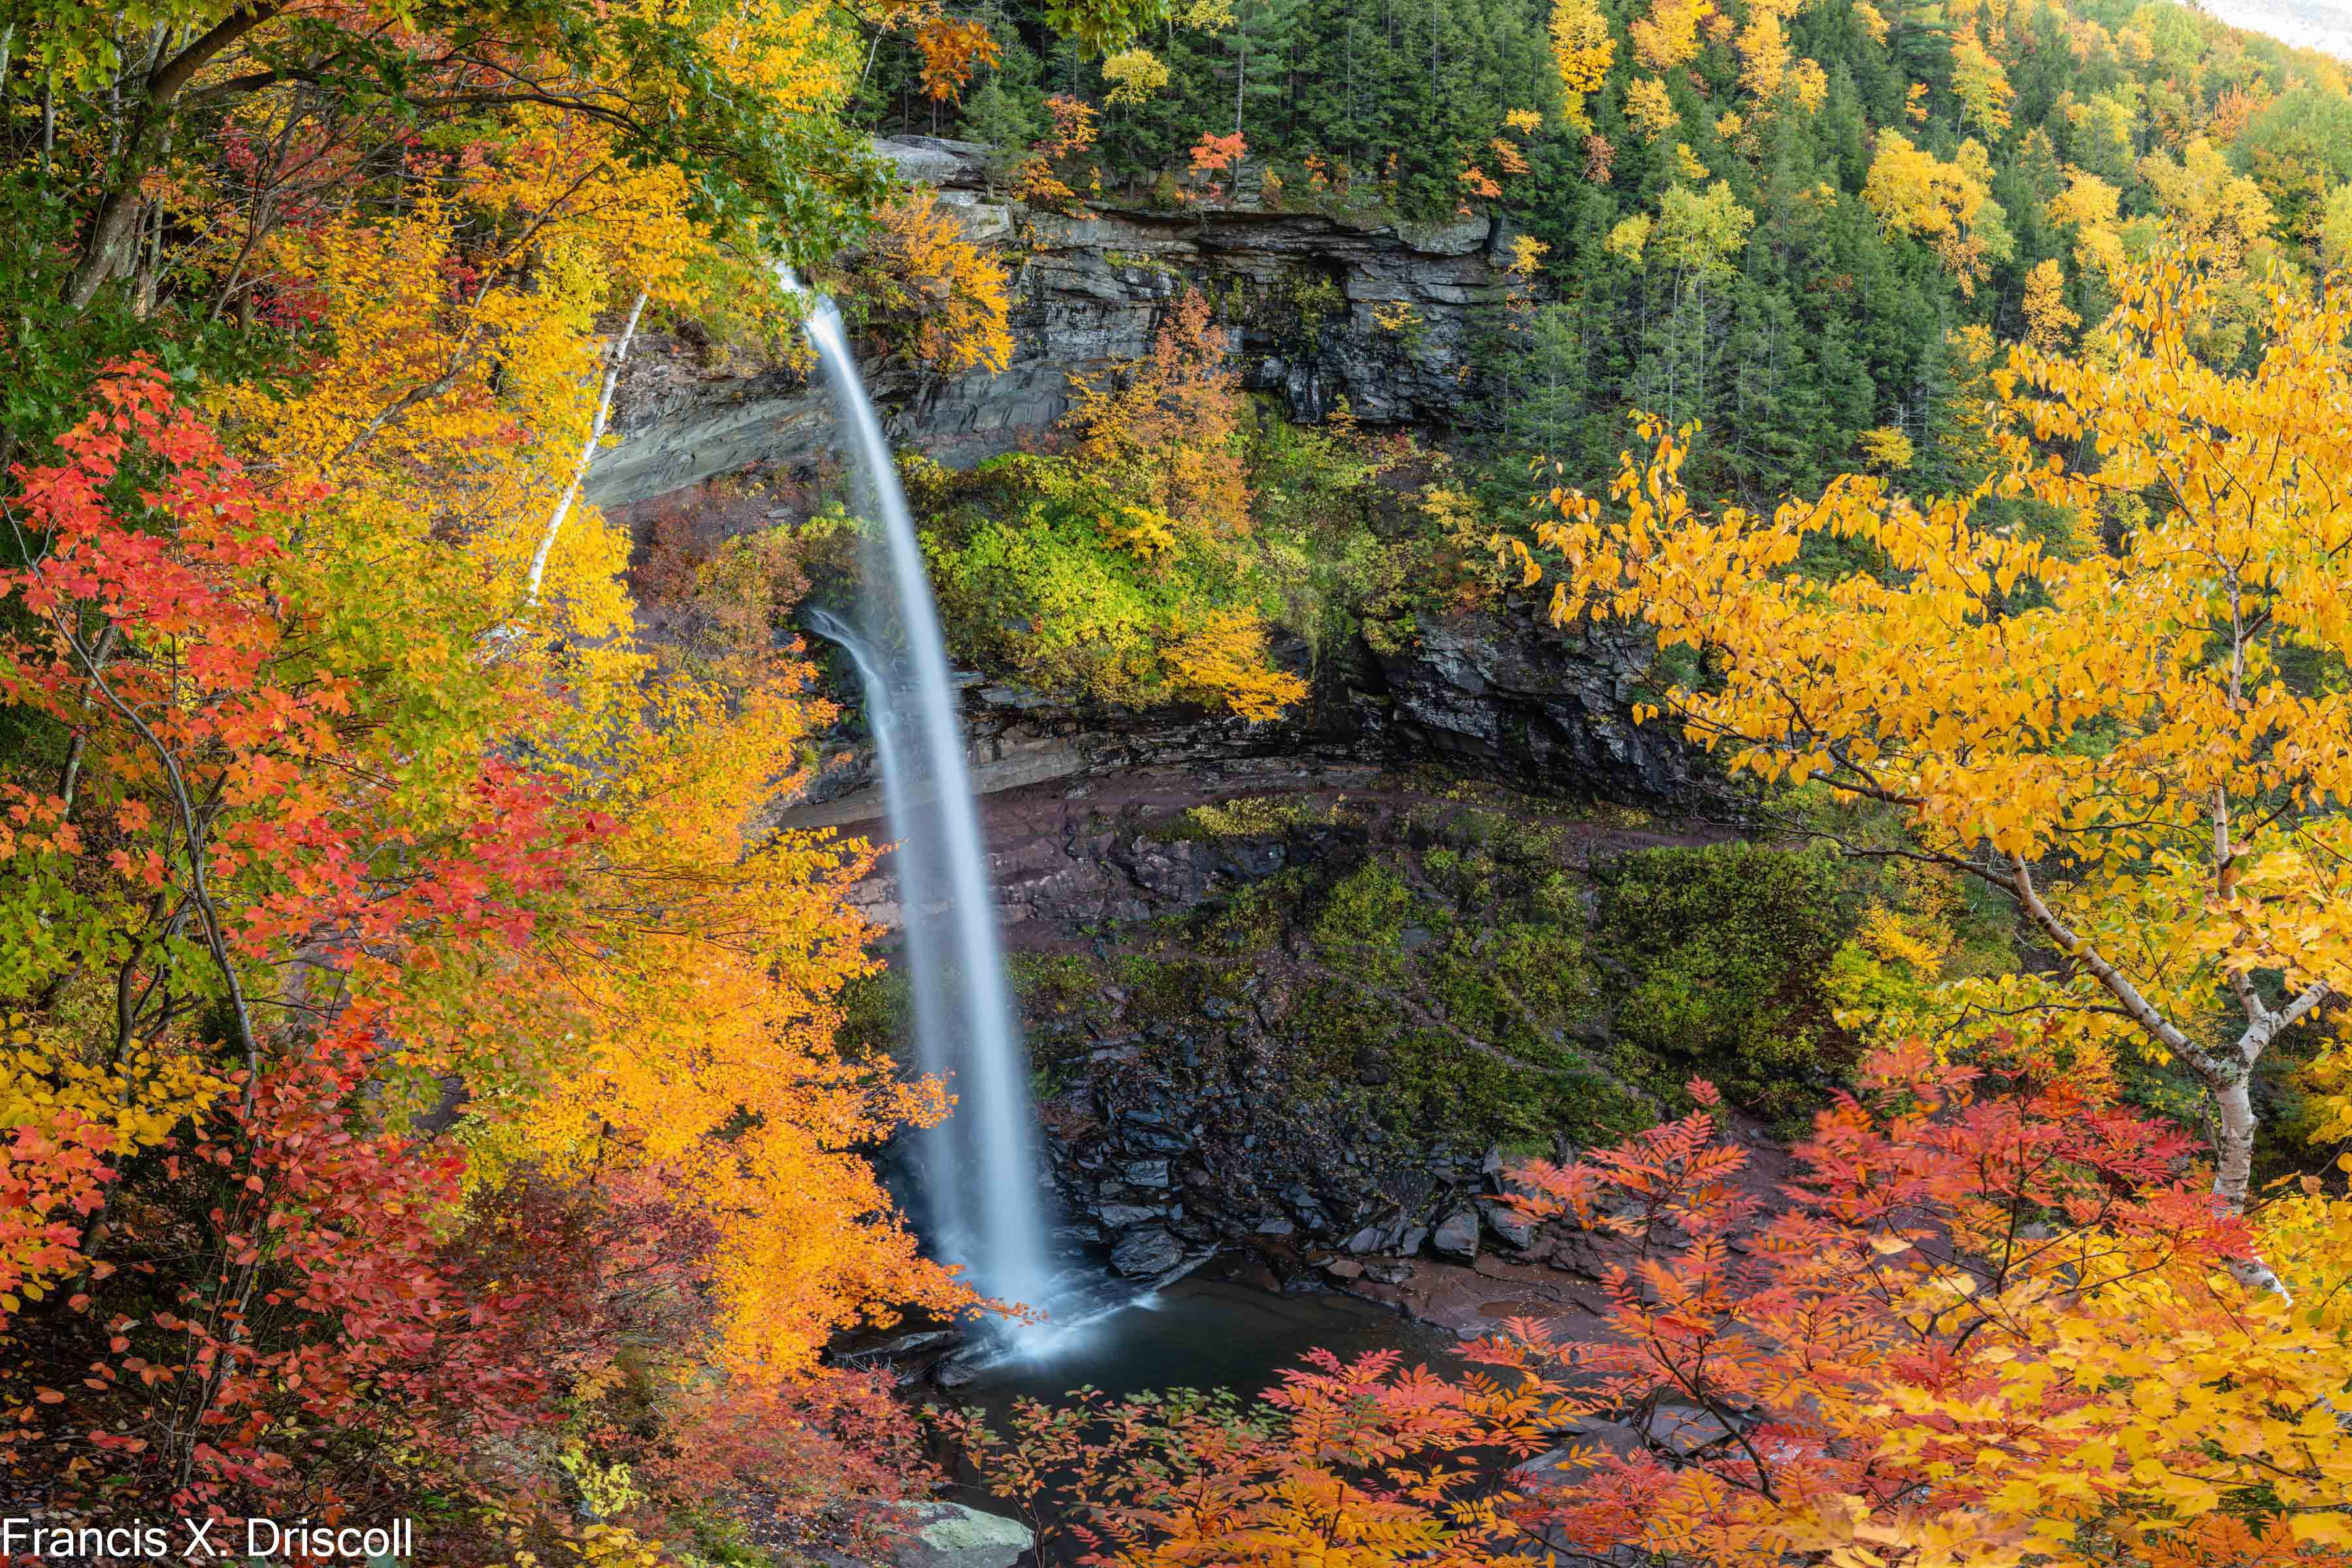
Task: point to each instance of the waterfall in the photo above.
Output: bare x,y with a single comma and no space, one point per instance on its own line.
980,1168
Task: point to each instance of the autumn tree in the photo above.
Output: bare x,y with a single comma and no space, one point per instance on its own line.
1362,1461
177,156
1950,205
1985,1320
2126,727
1581,51
1987,1323
939,293
1167,428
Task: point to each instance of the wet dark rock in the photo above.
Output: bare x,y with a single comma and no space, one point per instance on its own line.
1507,695
1683,1429
1456,1235
1152,1251
1509,1224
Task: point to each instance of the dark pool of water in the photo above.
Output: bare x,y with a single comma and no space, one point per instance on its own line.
1204,1333
1200,1332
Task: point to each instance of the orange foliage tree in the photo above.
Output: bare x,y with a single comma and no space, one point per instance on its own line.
1167,429
935,292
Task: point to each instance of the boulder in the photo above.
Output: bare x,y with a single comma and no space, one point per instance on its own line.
1684,1429
1510,1226
951,1535
1146,1174
1562,1467
1150,1251
1457,1234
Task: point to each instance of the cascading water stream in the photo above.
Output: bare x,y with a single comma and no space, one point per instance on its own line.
980,1168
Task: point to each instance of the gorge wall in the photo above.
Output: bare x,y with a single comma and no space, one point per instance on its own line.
1287,988
1388,317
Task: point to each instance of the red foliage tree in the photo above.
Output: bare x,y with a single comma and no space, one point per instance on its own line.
256,1309
1991,1321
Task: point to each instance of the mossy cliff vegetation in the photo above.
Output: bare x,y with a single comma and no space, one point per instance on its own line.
1181,543
1324,1014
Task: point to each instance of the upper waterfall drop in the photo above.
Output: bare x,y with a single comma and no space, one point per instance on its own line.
981,1167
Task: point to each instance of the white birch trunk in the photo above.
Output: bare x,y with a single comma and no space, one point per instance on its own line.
587,454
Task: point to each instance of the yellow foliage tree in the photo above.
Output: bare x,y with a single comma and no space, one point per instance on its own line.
1887,449
1223,658
2117,731
694,991
2091,205
1631,238
1763,48
1981,85
939,291
1667,35
2206,202
2047,318
1582,52
1651,108
1809,85
1950,204
1700,232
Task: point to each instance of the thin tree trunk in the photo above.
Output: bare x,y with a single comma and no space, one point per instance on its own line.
1240,76
587,453
116,222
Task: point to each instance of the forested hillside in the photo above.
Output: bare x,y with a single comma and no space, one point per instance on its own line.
1807,226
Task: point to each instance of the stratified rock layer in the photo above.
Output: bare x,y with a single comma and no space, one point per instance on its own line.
1384,316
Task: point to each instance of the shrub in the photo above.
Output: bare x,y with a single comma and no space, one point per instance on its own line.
1715,961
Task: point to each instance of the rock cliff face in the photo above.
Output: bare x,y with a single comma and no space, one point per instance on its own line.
1291,1005
1502,695
1389,318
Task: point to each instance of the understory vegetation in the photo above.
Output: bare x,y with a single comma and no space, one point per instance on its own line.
1179,529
